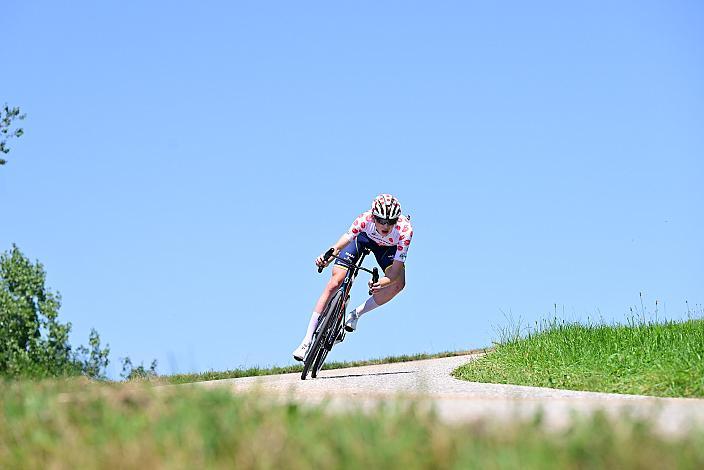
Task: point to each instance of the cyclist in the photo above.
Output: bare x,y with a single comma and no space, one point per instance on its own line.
388,235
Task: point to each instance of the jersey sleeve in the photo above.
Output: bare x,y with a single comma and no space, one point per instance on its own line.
404,242
358,226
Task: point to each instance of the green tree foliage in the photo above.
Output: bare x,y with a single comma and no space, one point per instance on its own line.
93,360
7,116
130,372
32,340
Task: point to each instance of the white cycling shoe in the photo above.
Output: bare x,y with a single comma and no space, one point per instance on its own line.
351,323
300,352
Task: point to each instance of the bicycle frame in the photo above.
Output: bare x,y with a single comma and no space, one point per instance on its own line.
352,268
352,273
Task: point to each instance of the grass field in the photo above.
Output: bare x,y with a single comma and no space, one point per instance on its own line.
254,371
77,424
661,359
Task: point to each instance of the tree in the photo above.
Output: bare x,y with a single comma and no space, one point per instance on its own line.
32,340
7,116
130,372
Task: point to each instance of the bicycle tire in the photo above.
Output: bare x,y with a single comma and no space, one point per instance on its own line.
314,347
329,336
318,363
321,331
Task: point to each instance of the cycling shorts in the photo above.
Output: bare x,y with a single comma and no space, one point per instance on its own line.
384,254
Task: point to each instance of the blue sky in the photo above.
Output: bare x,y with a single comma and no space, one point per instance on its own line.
184,163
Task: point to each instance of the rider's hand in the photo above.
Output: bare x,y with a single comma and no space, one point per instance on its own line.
320,260
377,286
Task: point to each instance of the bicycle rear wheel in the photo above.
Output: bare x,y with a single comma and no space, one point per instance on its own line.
324,324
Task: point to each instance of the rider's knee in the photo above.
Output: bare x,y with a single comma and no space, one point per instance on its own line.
334,283
400,285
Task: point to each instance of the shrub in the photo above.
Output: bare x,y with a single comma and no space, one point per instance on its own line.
33,343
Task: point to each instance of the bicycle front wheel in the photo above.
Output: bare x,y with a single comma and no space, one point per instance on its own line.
329,336
317,348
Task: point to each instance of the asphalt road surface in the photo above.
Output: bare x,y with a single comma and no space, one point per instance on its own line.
429,383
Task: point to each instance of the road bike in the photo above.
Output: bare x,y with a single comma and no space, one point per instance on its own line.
330,329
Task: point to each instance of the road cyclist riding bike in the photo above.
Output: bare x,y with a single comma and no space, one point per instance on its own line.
383,231
330,329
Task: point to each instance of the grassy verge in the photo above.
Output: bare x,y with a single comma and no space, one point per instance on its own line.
254,371
660,359
81,425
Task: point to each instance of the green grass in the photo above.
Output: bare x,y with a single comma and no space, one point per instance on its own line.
660,359
77,424
255,371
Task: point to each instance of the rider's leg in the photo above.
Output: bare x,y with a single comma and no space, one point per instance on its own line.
385,256
376,300
338,275
383,296
350,254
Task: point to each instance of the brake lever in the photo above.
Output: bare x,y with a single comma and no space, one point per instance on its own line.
375,278
326,256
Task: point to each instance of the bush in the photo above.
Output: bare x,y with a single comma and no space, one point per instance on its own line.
130,372
33,343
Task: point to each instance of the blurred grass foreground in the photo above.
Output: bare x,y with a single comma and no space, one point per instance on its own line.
83,424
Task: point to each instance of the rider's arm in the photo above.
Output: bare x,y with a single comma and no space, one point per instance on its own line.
339,245
391,277
359,224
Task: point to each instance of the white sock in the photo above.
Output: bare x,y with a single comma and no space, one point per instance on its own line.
311,327
367,306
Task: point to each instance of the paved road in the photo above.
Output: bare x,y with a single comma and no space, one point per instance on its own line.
429,382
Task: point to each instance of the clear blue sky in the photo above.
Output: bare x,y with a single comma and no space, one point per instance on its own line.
184,163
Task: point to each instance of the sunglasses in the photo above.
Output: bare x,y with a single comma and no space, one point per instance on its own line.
381,221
